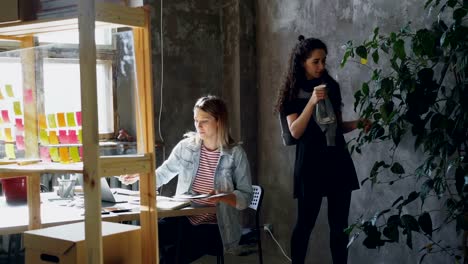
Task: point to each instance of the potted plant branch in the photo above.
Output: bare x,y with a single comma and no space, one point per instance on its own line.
418,88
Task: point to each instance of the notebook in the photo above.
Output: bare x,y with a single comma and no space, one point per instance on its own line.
167,203
107,195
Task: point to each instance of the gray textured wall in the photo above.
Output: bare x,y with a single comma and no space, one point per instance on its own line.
335,22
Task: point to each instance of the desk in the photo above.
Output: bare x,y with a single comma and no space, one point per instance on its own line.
14,218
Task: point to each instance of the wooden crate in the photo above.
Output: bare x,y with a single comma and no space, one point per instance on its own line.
66,244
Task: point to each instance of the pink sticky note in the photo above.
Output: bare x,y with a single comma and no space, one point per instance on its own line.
63,137
19,124
28,96
72,137
78,118
44,154
20,142
81,152
5,116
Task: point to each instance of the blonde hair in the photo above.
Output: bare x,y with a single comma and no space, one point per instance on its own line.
216,107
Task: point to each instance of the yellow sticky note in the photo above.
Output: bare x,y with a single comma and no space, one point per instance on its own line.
61,120
75,155
41,120
54,154
51,119
9,90
10,151
8,136
17,108
2,135
1,96
80,138
43,138
64,157
71,119
53,139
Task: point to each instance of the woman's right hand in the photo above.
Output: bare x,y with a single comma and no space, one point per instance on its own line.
128,179
319,93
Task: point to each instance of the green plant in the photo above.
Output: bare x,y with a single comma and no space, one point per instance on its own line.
417,87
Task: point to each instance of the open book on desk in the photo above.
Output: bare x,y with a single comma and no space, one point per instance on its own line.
188,196
168,203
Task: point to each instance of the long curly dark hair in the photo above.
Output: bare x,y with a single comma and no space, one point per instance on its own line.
296,73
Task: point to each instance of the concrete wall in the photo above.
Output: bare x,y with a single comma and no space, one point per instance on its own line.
239,49
335,22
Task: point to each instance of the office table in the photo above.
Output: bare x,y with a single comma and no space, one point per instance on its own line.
14,218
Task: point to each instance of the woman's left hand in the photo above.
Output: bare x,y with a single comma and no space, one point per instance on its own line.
228,198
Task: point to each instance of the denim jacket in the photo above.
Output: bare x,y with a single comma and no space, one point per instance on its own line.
232,174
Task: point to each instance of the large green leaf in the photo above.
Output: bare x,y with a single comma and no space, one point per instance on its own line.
361,51
397,168
409,222
425,222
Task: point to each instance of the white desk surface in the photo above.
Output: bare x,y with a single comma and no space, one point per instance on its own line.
14,218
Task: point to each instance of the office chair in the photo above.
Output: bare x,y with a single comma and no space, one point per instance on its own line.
256,204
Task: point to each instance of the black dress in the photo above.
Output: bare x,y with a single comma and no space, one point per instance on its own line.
320,169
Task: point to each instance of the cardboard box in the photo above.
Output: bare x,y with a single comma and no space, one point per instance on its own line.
66,244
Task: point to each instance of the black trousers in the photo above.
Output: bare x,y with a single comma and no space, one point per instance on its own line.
182,242
307,212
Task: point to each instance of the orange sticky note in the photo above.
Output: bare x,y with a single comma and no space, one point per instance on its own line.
71,119
17,108
41,120
43,138
53,139
75,155
61,120
64,157
54,155
10,151
8,136
9,90
51,119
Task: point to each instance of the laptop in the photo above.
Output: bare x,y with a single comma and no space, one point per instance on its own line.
107,195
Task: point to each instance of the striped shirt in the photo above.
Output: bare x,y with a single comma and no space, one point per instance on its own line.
204,183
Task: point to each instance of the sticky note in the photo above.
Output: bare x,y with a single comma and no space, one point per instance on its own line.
1,95
41,121
1,120
5,116
17,108
61,120
43,137
9,90
53,139
63,137
44,154
20,142
54,154
8,136
72,137
71,119
28,96
19,124
80,138
74,154
78,118
2,135
51,120
80,149
10,151
64,157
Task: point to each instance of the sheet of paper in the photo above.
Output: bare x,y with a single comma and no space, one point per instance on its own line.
10,151
44,154
5,116
51,120
53,139
54,154
17,108
74,154
41,119
71,119
9,90
61,120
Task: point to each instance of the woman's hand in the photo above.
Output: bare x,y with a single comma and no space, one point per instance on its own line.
319,93
366,124
128,179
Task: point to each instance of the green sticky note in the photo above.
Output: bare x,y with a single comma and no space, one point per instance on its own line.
75,155
9,90
17,108
43,137
71,119
10,151
51,119
54,154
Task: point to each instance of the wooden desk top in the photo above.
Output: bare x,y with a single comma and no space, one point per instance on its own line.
14,218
